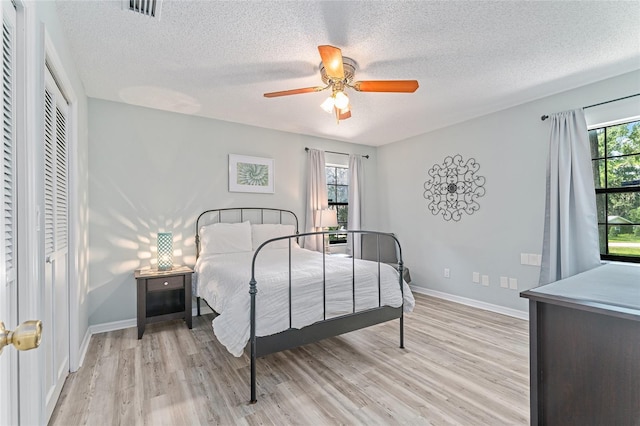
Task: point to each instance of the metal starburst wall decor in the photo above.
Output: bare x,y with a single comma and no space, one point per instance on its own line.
454,187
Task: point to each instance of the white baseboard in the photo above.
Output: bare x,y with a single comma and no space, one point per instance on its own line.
120,325
84,347
102,328
473,303
113,326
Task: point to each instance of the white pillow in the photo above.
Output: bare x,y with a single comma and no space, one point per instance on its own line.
220,238
263,232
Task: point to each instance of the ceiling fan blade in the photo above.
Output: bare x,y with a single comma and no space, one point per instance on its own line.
332,61
294,92
344,116
403,86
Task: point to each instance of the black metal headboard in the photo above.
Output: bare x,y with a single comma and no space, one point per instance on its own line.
241,214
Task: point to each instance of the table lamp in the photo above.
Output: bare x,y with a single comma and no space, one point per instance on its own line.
165,251
324,219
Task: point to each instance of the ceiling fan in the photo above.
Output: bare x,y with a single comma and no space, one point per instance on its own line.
337,73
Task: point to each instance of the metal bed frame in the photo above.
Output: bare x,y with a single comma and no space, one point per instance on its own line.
331,327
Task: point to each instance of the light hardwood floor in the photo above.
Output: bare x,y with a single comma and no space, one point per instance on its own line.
460,365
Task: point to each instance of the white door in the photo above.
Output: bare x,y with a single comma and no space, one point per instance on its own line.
55,340
8,279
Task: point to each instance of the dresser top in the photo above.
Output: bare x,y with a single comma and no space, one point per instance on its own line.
612,286
153,273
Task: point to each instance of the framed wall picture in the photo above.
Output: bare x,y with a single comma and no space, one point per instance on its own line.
250,174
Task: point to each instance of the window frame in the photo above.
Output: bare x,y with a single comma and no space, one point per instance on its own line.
335,205
606,191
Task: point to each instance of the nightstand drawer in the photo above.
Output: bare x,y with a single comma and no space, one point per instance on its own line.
167,283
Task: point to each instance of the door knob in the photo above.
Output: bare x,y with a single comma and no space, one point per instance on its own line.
27,336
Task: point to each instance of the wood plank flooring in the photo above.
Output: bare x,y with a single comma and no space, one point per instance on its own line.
461,366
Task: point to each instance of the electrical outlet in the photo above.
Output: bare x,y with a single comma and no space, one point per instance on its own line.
476,277
447,273
485,280
532,259
504,282
513,283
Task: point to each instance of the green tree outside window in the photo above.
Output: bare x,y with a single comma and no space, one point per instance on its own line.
615,152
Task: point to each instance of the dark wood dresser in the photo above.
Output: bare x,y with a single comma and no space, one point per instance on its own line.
163,295
585,348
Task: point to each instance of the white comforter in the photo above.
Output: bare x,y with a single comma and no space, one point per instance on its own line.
223,281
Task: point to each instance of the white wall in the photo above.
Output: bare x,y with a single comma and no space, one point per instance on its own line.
153,171
511,147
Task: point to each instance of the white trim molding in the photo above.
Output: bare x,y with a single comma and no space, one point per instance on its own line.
30,65
473,303
84,346
112,326
121,325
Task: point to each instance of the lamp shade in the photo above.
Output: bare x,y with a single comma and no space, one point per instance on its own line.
341,100
328,104
325,218
165,251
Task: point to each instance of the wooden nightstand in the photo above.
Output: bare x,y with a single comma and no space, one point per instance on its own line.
163,295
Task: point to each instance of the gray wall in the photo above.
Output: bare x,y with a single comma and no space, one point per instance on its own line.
153,171
511,147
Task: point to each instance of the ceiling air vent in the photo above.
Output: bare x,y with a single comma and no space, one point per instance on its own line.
150,8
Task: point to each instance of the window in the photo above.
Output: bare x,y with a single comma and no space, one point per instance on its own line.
338,194
615,151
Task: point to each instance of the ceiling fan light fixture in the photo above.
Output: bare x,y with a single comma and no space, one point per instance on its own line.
328,104
341,100
337,73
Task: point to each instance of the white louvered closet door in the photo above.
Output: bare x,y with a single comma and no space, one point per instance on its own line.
56,235
8,280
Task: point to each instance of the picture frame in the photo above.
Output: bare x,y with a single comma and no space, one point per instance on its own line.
251,174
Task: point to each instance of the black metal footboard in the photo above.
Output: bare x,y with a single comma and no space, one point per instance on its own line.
294,337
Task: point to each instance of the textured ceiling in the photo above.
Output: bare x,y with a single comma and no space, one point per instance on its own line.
216,58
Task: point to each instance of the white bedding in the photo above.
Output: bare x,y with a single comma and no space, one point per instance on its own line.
223,281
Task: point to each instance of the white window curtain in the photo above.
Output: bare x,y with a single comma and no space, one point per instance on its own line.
570,243
355,197
317,198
